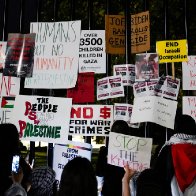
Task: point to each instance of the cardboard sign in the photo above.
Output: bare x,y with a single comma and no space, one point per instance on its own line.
129,150
42,118
172,51
189,106
154,109
64,153
92,56
110,87
91,120
83,92
19,59
189,73
127,71
115,33
56,55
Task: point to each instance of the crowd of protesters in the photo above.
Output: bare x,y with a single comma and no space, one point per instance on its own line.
173,172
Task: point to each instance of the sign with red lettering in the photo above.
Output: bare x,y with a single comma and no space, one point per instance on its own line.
189,106
91,120
83,92
19,59
92,56
64,153
42,118
129,150
115,33
56,55
189,73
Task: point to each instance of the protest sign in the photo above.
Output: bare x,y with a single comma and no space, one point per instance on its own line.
168,87
91,120
129,150
115,33
189,73
146,67
56,55
83,92
42,118
123,111
110,87
9,88
2,55
172,51
127,71
63,153
141,89
19,58
154,109
189,106
92,56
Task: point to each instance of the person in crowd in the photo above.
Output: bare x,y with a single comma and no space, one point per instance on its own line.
43,182
9,146
148,183
176,163
109,176
78,178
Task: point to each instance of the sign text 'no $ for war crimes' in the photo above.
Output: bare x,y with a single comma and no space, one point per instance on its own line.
91,120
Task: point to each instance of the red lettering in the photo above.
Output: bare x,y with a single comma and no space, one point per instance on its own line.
28,108
22,125
87,114
76,112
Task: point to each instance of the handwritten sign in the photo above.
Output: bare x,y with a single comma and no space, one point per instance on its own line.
42,118
56,55
189,73
83,92
92,56
129,150
154,109
91,120
64,153
115,33
172,51
189,106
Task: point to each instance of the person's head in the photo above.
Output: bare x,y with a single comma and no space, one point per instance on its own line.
9,140
149,184
78,178
120,126
42,181
185,124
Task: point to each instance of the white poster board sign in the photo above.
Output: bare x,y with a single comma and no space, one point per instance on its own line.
91,120
2,55
189,73
110,87
68,151
129,150
92,56
42,118
189,106
127,71
56,55
154,109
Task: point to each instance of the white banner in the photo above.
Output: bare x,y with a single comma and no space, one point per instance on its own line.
92,56
91,120
56,55
42,118
129,150
189,106
189,73
64,153
154,109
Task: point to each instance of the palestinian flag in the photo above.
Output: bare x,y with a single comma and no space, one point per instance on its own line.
7,102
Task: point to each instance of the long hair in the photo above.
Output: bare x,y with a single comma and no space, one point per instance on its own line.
78,178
